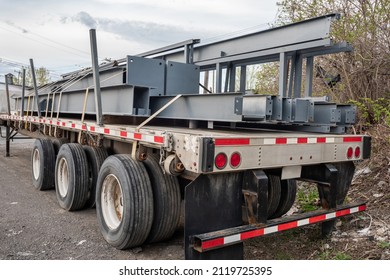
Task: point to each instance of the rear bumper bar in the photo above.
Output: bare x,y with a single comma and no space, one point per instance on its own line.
218,239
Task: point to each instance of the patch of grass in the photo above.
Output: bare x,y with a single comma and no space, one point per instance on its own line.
342,256
324,255
329,255
307,199
384,245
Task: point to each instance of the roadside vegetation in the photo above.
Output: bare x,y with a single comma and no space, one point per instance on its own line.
363,79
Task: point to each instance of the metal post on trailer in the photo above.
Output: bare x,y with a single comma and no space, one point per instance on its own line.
23,91
96,78
7,128
7,94
35,86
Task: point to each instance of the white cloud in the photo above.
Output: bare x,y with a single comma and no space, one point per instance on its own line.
55,33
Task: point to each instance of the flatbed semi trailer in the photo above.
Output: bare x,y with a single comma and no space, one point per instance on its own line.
233,159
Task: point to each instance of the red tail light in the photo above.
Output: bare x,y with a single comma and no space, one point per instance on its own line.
221,160
349,152
235,160
357,152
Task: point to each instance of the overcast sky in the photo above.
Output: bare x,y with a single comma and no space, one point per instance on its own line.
55,33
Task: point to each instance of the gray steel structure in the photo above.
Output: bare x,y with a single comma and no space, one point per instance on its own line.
141,85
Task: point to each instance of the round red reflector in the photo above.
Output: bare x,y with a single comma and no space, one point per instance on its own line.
349,152
357,152
220,160
235,160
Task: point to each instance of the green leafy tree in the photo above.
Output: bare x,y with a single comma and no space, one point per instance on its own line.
365,24
42,76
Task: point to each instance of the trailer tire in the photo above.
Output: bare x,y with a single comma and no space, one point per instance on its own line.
124,202
58,142
95,157
287,197
274,193
167,201
42,164
71,177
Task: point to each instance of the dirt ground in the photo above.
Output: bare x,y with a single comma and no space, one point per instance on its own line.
33,226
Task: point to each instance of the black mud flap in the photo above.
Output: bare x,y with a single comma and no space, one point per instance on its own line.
213,202
333,182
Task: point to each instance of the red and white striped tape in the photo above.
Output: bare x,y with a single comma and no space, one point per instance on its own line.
122,133
227,240
287,140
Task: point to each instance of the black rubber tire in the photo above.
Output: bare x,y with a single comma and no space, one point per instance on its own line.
167,201
274,193
287,197
43,164
134,222
95,157
58,142
72,190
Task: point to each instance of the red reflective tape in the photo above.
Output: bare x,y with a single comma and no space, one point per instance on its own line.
232,141
63,124
73,125
51,122
317,219
58,123
343,212
83,127
251,234
287,226
123,133
362,207
213,243
321,140
281,141
352,139
138,136
92,128
302,140
159,139
106,131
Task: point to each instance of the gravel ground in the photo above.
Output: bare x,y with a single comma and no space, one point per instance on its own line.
33,226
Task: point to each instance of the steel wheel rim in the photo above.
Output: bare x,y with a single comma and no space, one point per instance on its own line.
36,164
112,201
63,177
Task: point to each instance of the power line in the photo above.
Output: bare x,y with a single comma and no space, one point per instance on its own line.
46,38
41,42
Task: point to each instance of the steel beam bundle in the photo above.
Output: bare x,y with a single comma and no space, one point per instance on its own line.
141,85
